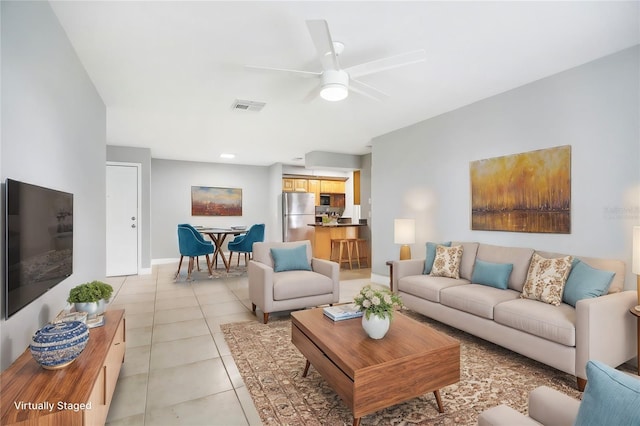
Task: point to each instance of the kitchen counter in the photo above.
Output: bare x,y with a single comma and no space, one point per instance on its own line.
323,235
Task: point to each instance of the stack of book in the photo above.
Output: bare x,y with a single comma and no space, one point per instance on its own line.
342,312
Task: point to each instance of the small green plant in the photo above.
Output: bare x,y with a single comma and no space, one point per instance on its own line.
90,292
380,303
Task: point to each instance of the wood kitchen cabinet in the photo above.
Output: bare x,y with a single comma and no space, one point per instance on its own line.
313,185
79,394
332,186
291,185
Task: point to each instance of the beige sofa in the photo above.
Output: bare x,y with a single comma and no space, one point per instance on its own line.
561,336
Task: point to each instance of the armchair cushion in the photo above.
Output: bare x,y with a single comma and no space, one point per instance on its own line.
611,397
290,259
297,284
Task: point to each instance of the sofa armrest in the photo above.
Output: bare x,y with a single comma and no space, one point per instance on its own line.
551,407
260,285
503,415
331,270
406,268
605,330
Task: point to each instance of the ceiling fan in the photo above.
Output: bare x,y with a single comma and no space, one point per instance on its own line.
336,82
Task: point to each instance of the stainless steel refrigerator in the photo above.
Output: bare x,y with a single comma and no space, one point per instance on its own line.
298,211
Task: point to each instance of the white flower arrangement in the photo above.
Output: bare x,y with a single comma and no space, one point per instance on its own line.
380,303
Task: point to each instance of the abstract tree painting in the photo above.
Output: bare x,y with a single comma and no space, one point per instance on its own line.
528,192
209,201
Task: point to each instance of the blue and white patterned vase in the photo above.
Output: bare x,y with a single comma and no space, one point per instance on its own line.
58,345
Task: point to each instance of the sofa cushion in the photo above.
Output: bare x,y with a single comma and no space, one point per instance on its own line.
546,279
469,251
585,282
431,255
611,397
492,274
296,284
427,287
554,323
476,299
519,257
290,259
447,262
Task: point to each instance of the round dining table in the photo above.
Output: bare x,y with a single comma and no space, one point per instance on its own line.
219,236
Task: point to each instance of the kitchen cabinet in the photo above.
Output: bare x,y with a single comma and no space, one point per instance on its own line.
332,186
288,185
313,185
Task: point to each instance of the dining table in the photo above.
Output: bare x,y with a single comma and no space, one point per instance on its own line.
219,236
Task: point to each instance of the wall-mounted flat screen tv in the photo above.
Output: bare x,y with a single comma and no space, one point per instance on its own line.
39,242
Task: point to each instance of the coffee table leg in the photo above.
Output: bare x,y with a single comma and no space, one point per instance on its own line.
306,369
439,401
356,421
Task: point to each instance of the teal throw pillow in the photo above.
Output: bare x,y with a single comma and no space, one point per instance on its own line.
492,274
290,259
585,282
431,255
611,397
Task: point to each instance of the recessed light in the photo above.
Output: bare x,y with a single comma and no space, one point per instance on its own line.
227,156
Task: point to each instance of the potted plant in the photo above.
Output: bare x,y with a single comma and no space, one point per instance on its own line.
378,307
91,297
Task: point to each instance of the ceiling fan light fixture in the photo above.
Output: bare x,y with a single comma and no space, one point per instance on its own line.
334,92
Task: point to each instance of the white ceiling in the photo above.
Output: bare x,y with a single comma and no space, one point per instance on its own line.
169,71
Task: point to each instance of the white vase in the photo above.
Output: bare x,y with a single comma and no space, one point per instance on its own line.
92,308
375,327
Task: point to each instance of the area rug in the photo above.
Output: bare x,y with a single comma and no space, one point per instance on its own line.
271,367
218,273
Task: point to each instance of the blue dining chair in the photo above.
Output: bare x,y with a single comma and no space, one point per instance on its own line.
192,245
244,243
198,236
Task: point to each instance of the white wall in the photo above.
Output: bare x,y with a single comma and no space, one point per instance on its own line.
422,171
53,135
171,183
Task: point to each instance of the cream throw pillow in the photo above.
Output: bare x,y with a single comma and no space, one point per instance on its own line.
546,279
447,262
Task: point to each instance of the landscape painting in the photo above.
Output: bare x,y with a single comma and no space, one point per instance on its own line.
528,192
211,201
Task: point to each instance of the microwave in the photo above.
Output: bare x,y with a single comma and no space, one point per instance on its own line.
325,200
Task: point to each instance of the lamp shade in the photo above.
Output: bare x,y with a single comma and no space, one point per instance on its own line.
404,231
635,266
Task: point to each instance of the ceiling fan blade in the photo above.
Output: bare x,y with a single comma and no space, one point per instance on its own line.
384,64
319,30
366,90
298,73
312,95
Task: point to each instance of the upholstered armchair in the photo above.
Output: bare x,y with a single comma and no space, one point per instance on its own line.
244,243
192,245
284,276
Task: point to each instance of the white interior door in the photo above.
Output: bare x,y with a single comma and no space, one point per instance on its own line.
122,219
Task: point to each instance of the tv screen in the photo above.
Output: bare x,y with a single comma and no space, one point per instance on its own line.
39,242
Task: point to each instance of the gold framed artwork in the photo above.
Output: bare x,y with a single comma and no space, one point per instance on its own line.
527,192
213,201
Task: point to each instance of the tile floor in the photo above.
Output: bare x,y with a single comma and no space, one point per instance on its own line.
178,369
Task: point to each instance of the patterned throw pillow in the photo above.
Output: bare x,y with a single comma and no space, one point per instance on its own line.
546,279
447,262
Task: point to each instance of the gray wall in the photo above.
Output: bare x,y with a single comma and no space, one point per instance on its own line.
171,183
422,171
53,135
140,156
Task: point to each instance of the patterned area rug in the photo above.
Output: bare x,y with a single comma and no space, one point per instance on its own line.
271,367
203,274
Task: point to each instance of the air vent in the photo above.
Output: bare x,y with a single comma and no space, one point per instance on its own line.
243,105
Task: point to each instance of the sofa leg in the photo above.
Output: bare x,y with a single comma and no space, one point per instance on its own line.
253,308
582,383
265,317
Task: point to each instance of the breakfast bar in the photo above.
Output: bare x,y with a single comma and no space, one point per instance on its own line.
323,235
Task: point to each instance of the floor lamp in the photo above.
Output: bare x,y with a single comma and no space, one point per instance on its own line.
635,268
404,232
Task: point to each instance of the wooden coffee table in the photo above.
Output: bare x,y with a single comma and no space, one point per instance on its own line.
369,375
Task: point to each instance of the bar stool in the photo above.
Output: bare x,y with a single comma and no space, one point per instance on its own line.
339,246
354,249
362,249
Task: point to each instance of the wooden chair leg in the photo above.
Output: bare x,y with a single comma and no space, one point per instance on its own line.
246,259
265,317
198,262
190,269
179,266
209,266
582,383
253,307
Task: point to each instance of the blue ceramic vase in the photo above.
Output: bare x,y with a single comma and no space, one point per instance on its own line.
58,345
